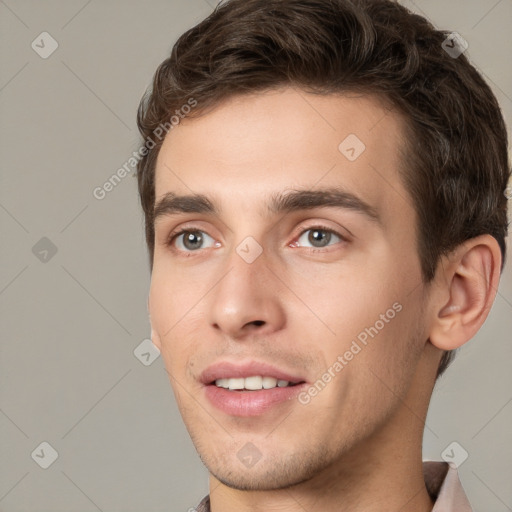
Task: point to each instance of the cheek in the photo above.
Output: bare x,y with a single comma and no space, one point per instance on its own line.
374,378
173,295
171,311
370,318
391,346
343,299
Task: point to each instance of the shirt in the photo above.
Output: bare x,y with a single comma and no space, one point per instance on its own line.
442,483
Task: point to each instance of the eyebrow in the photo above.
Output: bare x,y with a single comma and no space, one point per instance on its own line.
296,200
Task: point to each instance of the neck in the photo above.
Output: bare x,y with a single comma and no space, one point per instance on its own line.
384,472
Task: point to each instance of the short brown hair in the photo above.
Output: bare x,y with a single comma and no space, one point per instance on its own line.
457,165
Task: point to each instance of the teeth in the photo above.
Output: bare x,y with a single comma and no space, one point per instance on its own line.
222,383
253,383
236,383
269,382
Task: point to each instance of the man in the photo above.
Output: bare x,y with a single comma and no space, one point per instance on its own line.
323,188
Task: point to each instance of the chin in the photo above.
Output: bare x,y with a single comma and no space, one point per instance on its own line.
249,481
268,475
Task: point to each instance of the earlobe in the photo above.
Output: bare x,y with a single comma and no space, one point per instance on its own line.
470,277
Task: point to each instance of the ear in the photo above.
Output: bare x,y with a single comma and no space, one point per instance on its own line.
465,286
155,338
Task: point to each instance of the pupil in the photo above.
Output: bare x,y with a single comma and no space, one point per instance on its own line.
324,237
189,239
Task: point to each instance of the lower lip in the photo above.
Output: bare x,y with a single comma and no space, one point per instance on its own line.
250,403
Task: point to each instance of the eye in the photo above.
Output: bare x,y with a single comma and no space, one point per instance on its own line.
319,237
189,240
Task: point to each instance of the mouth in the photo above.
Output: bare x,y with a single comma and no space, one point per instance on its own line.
249,389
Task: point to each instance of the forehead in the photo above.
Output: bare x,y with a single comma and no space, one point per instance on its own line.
253,146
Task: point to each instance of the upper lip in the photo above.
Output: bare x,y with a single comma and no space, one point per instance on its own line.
227,369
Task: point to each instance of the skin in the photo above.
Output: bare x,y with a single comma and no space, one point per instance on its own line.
357,444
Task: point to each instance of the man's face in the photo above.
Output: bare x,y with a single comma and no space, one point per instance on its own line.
330,296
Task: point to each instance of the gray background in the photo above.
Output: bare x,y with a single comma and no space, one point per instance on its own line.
71,323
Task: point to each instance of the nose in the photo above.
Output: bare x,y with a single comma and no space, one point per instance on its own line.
248,299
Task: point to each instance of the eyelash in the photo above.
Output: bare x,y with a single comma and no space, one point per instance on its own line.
192,229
